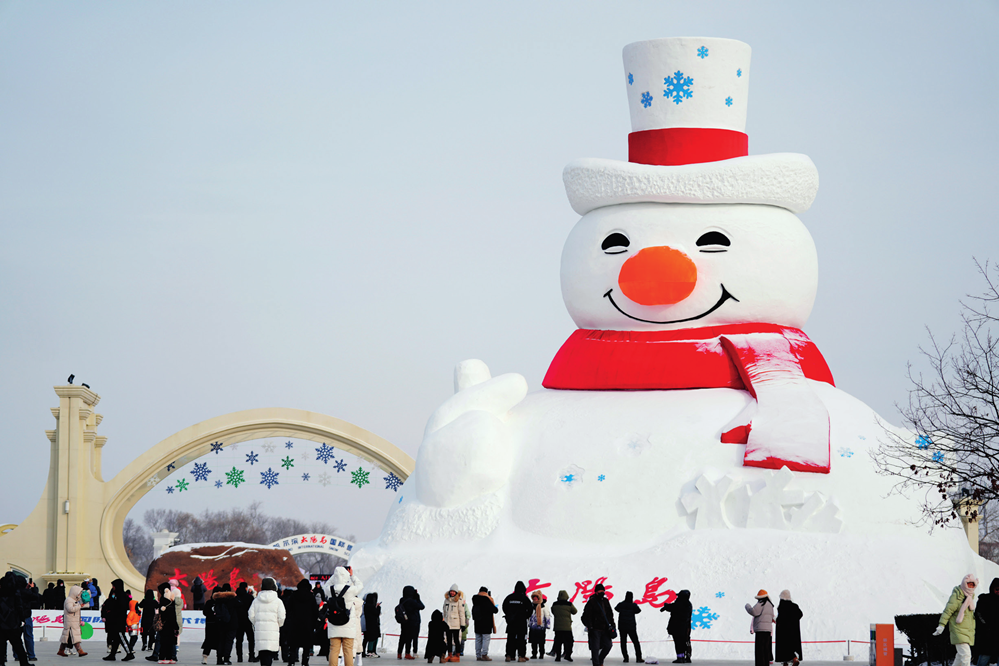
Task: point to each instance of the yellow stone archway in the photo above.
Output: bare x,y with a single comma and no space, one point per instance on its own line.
76,528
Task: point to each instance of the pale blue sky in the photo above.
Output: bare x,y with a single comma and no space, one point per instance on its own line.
213,206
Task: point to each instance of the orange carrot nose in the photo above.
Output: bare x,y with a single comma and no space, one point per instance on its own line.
658,276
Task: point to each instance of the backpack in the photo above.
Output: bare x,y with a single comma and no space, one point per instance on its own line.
400,614
337,613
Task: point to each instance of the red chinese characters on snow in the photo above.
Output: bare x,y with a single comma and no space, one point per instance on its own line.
654,595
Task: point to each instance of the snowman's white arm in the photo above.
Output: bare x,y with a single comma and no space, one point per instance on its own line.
791,425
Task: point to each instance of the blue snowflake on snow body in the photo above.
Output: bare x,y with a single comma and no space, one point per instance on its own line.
631,79
200,471
861,437
646,99
845,452
392,482
269,478
923,443
602,477
567,478
216,447
305,477
738,73
289,445
324,453
678,87
728,101
702,52
938,457
218,484
252,457
702,618
719,594
340,466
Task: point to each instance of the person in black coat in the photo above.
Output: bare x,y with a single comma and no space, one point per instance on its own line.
198,591
303,613
245,628
987,625
147,608
115,614
517,609
12,614
409,635
59,595
211,641
436,637
167,611
483,622
372,624
626,612
227,608
598,618
680,612
788,638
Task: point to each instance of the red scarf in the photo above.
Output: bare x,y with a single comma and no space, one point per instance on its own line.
682,359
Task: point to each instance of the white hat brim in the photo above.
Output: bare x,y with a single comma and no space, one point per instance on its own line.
788,180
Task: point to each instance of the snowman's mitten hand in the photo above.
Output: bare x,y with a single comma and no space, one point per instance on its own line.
495,396
469,457
466,450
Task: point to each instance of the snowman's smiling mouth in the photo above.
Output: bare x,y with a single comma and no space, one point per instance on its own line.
721,301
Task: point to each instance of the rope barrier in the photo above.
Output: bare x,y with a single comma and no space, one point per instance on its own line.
502,637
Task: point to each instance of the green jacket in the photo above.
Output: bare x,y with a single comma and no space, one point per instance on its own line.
562,612
959,633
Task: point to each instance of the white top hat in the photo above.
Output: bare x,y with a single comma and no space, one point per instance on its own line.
688,98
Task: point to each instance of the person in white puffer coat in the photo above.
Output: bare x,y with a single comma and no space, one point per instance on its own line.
267,615
342,637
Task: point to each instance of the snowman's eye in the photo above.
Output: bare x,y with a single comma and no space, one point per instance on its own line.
713,241
615,243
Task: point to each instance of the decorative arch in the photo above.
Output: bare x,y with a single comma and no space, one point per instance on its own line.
141,475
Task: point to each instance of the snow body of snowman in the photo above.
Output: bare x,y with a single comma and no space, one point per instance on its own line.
689,419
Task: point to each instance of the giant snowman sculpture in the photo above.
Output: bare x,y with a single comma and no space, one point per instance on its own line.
689,434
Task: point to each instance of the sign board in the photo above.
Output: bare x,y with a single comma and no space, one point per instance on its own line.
316,543
882,645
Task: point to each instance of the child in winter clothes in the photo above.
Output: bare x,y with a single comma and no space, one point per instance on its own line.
454,615
960,615
537,625
437,632
626,612
678,628
562,612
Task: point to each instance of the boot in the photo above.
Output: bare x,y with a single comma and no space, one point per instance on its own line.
79,650
62,651
110,657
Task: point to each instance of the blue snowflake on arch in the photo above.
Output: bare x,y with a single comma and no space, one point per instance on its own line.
172,466
702,52
324,453
631,78
392,482
252,457
216,447
646,99
200,471
269,478
305,477
218,484
702,618
169,490
678,87
289,445
340,466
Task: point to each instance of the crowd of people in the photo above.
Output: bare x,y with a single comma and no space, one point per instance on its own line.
288,624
